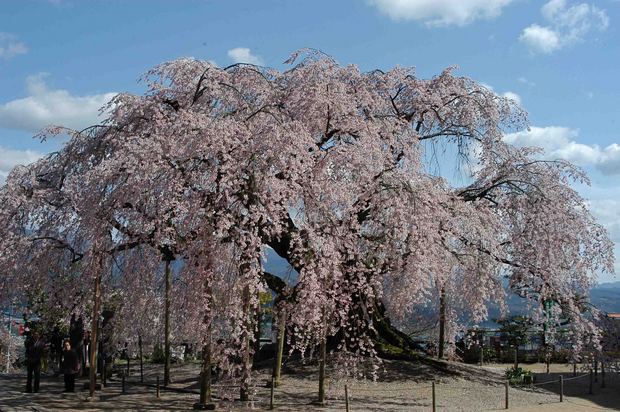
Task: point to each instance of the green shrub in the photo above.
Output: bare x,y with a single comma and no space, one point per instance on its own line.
517,376
158,355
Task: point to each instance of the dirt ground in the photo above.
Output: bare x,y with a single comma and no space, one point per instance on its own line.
402,386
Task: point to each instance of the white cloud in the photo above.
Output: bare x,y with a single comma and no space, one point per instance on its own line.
44,106
525,81
10,158
540,39
566,25
513,96
561,143
607,212
10,46
509,95
244,55
441,12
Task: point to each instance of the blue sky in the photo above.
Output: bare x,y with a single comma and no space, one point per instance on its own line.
61,60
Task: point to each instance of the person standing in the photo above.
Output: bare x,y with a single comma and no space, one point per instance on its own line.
34,351
70,366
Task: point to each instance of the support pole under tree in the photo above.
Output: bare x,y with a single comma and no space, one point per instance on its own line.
596,370
591,389
507,385
94,326
561,388
574,369
168,275
277,370
322,361
442,323
602,374
346,397
271,397
245,379
257,329
141,360
434,396
103,377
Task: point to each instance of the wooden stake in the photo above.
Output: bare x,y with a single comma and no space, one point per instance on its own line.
507,385
277,372
94,326
434,397
168,275
141,360
273,384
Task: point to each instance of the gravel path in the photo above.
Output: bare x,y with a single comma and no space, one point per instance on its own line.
458,388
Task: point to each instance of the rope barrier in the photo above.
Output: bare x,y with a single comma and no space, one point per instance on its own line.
391,390
576,377
544,383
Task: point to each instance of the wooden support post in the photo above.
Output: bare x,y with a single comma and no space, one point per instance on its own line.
346,397
507,385
442,323
596,370
561,388
277,371
574,369
602,375
591,391
322,361
93,334
157,387
141,360
434,396
273,384
123,384
167,300
103,377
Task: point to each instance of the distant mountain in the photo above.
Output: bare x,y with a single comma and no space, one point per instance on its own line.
609,285
606,297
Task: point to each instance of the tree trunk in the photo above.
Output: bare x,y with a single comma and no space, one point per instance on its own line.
516,356
277,371
94,327
205,382
168,274
442,323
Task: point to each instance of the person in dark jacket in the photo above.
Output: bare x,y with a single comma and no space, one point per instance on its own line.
34,351
70,366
